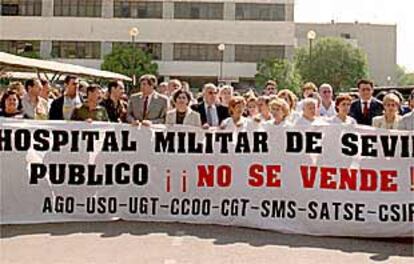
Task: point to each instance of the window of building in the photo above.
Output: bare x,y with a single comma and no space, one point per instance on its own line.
254,53
137,9
198,10
21,7
346,35
21,47
152,48
78,8
76,50
266,12
196,52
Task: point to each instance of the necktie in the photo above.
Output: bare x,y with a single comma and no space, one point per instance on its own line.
365,110
144,112
209,116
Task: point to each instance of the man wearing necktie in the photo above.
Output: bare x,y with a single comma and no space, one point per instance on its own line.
366,107
211,113
147,107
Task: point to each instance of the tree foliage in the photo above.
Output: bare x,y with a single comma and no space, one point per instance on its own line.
280,70
333,61
129,61
403,78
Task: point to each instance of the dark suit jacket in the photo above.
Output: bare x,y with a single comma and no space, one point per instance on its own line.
222,112
375,109
56,109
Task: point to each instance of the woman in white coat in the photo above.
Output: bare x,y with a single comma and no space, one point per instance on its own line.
182,113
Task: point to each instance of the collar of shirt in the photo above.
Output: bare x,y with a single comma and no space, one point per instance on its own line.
150,96
368,101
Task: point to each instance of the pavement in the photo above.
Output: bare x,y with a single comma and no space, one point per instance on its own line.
173,243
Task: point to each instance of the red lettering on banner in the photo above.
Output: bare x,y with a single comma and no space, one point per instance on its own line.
308,179
369,180
206,176
257,179
387,181
327,181
348,179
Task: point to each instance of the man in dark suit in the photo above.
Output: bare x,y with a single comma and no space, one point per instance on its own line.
147,107
63,107
364,109
211,113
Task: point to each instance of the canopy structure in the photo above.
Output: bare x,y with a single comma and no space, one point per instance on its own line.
10,62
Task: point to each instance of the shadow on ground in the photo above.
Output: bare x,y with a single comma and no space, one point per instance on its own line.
381,249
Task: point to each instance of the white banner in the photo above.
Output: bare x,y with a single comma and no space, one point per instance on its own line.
336,180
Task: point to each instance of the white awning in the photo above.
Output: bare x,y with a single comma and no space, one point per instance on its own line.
10,62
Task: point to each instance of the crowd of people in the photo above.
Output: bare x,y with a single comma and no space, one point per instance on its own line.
173,103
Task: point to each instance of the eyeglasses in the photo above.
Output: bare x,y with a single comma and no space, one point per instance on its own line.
327,91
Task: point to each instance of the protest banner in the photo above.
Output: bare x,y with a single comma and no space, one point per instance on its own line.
323,180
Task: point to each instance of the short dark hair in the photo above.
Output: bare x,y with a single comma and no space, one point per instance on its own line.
112,84
365,81
92,88
5,96
181,91
30,83
44,82
69,77
150,78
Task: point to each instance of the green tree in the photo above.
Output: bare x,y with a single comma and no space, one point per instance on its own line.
127,60
404,78
280,70
332,61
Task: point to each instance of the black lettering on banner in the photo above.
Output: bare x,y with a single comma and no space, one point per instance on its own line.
389,147
110,142
164,143
76,174
127,145
5,140
368,149
57,173
60,139
37,171
41,136
313,144
93,178
181,142
140,174
75,141
90,137
120,178
242,143
224,139
193,145
294,142
260,142
209,143
22,139
349,144
59,204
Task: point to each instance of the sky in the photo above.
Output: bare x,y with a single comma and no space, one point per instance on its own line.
399,12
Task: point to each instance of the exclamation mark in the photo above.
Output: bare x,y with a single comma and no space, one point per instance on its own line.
168,183
184,181
412,179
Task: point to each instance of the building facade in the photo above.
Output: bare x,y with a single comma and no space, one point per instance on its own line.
182,35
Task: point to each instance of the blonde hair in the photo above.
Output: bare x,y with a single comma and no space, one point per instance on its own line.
234,101
391,98
309,86
281,103
289,94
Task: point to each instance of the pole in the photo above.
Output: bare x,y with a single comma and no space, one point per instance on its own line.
133,61
221,67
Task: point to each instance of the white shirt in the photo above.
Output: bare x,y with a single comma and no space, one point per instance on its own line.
32,111
336,120
327,112
306,122
271,123
214,115
244,124
69,105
